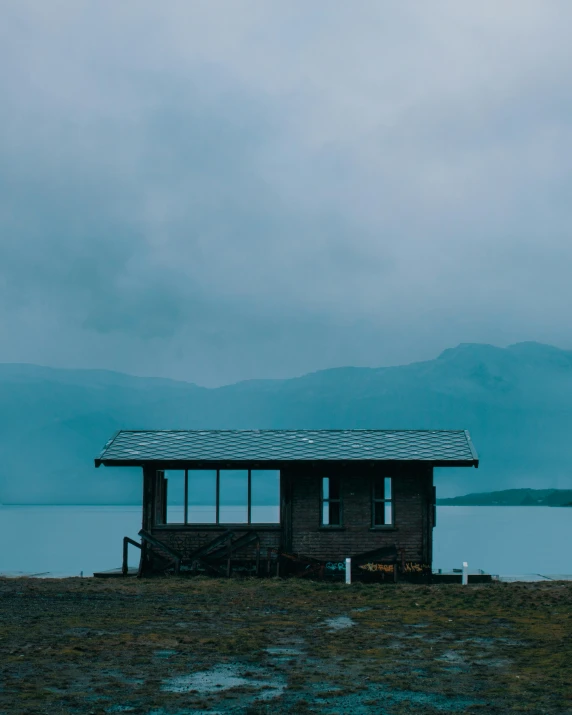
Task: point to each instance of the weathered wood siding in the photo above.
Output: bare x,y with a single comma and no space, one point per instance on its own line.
189,538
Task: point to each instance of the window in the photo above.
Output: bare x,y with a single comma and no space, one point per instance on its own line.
201,490
382,501
174,497
233,496
224,496
265,496
331,512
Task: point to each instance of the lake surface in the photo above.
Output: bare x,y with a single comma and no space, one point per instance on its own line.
66,540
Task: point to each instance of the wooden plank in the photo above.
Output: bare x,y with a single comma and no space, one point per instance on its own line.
243,540
175,555
116,573
203,550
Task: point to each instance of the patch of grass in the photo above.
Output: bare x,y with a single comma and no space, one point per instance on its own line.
66,642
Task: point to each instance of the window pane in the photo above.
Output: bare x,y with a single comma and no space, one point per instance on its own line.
233,496
326,487
388,513
202,496
265,496
379,488
335,514
387,489
334,487
326,514
175,496
378,513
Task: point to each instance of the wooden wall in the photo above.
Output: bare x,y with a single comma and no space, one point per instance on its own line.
412,504
300,531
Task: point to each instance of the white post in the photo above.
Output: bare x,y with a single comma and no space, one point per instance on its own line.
465,573
348,570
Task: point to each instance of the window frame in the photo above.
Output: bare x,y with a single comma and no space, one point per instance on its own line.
217,523
329,500
376,500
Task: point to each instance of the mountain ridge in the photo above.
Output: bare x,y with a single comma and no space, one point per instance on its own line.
515,401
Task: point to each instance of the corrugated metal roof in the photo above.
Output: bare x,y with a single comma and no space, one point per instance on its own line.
441,447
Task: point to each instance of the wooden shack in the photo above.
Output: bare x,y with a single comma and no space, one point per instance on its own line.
264,502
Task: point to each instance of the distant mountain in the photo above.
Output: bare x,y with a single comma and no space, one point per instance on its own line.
516,402
513,497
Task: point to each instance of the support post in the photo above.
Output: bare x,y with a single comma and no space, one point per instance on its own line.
465,577
348,570
186,496
124,564
147,522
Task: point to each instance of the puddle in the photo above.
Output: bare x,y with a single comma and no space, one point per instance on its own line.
162,711
452,656
225,677
117,674
222,677
495,662
284,651
84,632
355,703
164,653
339,623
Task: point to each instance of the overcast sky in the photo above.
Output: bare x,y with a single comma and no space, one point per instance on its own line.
216,191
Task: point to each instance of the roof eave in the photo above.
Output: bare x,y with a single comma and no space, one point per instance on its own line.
472,448
99,459
219,463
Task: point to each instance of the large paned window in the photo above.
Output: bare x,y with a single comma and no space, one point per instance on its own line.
331,507
382,502
224,496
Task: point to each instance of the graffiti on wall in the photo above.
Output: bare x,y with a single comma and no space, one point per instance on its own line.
384,568
388,568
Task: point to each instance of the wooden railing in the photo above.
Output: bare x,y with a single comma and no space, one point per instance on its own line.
126,542
175,555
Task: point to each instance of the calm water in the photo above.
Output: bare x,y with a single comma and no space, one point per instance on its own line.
499,540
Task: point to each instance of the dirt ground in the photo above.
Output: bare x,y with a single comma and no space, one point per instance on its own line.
177,646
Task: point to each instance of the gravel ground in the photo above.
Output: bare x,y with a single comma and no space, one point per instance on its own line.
188,646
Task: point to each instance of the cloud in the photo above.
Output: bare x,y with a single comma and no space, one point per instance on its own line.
215,191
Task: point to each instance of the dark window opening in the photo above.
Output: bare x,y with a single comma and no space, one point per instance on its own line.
382,501
331,511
